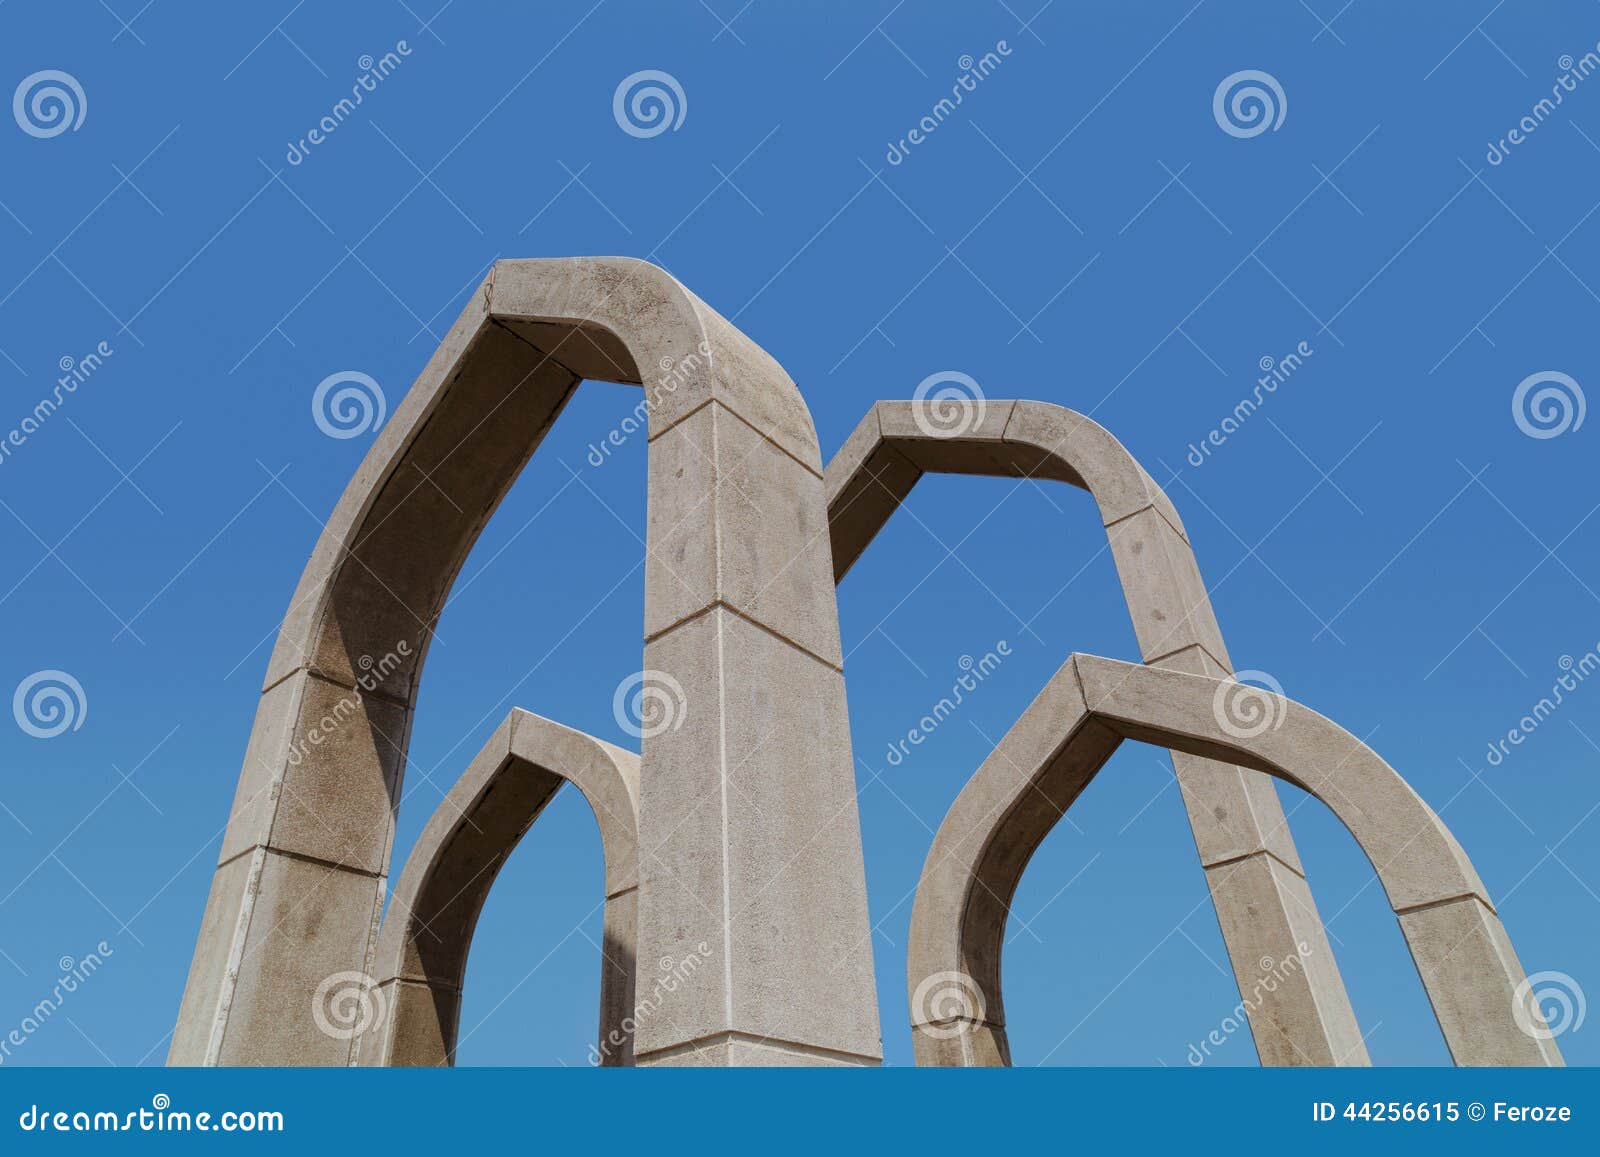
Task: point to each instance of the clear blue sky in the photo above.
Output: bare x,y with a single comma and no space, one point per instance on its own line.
1380,535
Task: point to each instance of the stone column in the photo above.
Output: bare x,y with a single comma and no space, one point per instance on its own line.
1269,920
1300,1013
750,845
749,840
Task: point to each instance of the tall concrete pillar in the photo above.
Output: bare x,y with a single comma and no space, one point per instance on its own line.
748,833
748,823
1042,765
1257,885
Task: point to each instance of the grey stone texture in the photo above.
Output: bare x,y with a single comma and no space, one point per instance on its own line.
1265,907
732,843
746,822
427,930
1063,739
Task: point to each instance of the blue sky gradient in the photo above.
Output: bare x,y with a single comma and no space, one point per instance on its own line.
1380,535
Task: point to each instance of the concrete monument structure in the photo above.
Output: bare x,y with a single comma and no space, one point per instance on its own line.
1063,739
422,947
732,838
1257,884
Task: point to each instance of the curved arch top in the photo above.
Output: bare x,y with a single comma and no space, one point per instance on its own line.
746,803
897,442
531,332
738,596
427,932
1090,706
1257,884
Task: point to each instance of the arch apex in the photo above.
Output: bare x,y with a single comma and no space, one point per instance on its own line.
623,319
427,933
1064,738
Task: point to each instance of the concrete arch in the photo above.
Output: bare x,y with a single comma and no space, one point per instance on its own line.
739,615
1257,883
1090,706
427,931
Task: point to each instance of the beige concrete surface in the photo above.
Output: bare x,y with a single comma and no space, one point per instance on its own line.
735,547
1063,739
427,931
1233,812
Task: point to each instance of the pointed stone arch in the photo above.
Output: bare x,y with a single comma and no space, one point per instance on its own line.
739,615
427,931
1253,871
1468,967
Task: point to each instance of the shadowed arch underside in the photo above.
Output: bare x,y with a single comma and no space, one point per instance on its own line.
1253,871
427,931
736,835
1043,764
747,805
